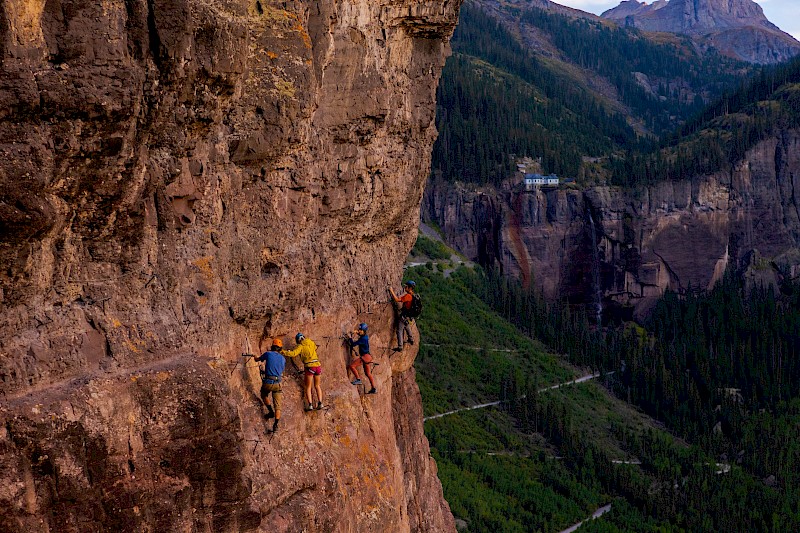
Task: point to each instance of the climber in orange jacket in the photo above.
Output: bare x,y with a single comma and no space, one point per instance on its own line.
402,309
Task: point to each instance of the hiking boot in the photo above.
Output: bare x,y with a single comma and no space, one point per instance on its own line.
398,349
275,427
410,341
308,407
320,406
356,381
373,390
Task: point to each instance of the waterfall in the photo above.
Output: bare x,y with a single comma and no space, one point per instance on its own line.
598,296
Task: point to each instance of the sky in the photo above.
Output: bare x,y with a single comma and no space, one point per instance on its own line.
783,13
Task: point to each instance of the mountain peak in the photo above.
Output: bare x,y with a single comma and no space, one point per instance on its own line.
724,24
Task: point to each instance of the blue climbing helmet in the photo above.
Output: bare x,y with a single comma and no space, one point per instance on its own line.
411,283
299,337
363,327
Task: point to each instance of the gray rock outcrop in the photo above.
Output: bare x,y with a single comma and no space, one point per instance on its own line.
737,28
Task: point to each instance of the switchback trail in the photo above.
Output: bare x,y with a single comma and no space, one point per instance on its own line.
597,514
581,379
476,348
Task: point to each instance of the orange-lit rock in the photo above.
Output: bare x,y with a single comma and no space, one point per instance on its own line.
177,177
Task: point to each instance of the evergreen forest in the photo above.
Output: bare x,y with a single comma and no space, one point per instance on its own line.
498,98
722,134
689,423
688,420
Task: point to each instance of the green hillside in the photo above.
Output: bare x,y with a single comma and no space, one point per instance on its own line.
542,460
584,89
468,343
722,134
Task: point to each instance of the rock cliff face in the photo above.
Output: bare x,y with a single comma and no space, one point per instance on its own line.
673,235
735,27
179,179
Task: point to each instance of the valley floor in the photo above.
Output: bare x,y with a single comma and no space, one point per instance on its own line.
517,450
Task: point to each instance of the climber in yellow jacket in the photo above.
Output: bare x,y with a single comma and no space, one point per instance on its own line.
306,349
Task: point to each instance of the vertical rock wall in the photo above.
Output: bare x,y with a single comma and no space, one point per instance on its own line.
673,235
179,179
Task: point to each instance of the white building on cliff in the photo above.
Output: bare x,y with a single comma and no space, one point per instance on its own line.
532,181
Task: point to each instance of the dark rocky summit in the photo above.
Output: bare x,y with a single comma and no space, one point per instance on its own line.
737,28
178,179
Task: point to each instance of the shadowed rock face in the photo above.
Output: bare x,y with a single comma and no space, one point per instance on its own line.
737,28
675,235
178,176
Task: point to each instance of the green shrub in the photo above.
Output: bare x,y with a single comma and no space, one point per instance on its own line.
435,250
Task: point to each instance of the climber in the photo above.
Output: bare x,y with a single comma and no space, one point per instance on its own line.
274,363
307,350
403,324
363,356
